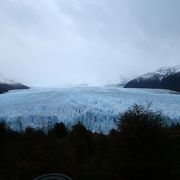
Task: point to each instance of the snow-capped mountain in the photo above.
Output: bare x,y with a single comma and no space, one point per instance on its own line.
163,78
8,84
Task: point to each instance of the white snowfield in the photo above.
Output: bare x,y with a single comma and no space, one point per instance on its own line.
97,107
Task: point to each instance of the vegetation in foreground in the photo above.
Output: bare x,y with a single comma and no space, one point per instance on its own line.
143,146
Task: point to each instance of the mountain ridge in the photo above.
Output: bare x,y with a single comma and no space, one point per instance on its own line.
8,84
163,78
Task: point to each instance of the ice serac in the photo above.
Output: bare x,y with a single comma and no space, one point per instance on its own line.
7,84
164,78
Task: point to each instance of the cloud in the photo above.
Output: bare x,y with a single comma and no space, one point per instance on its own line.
49,42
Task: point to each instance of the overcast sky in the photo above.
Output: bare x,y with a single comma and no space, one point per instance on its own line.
51,42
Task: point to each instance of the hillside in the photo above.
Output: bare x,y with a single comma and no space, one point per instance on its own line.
7,84
164,78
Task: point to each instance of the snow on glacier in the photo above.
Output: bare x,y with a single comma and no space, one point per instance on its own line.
97,107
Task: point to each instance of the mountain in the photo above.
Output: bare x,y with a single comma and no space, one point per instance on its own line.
164,78
7,84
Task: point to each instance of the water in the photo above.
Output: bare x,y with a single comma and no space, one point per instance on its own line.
97,107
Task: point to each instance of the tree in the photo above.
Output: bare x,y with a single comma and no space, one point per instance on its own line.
4,131
144,141
59,130
82,141
140,118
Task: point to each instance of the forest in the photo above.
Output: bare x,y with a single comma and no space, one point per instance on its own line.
144,145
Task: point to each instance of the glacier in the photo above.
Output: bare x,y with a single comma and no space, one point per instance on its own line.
98,108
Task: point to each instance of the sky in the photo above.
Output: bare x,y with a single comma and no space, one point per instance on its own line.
55,42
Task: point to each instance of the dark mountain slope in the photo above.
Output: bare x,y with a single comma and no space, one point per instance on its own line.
7,85
164,78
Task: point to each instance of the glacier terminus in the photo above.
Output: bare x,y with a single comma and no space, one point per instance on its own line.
98,108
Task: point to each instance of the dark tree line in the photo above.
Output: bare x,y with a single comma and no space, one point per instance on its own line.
143,147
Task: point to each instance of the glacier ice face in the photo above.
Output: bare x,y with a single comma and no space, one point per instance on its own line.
97,107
